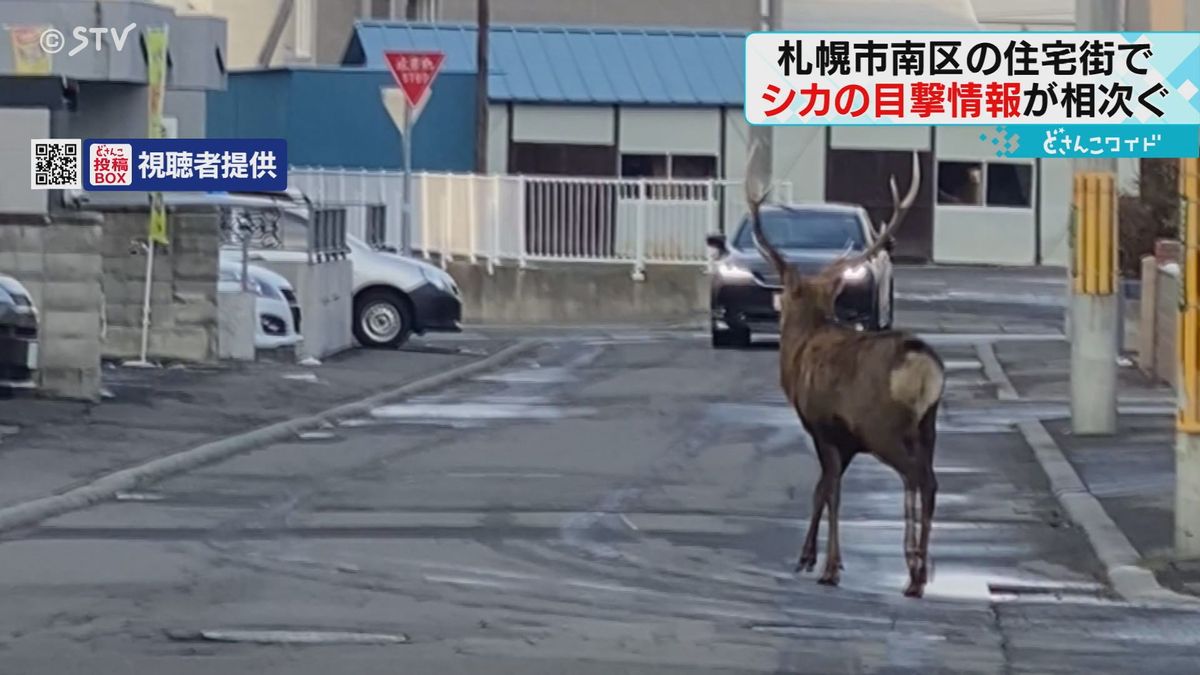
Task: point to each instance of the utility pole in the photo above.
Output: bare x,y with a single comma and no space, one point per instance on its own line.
1094,310
484,24
1187,424
762,160
282,15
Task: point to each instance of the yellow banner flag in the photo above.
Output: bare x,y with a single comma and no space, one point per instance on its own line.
156,78
29,56
156,82
158,219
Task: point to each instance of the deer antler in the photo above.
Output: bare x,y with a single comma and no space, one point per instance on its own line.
899,206
899,211
765,248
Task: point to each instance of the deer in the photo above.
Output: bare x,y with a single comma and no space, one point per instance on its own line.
857,392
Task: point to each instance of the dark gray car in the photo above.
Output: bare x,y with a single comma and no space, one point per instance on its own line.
810,236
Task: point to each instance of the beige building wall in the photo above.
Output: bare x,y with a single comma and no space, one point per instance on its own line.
674,13
1156,14
316,32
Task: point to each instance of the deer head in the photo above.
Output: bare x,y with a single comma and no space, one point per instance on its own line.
816,294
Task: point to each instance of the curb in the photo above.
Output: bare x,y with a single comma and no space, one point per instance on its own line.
106,487
1005,391
1120,559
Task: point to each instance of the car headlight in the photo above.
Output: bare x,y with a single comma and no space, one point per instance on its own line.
440,280
731,272
855,273
264,290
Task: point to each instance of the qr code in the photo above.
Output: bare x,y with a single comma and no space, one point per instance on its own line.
54,164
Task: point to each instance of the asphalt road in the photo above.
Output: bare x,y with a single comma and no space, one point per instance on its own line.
615,503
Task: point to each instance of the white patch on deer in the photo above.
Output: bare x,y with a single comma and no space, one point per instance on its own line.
918,382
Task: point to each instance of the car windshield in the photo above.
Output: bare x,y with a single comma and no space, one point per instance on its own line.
806,229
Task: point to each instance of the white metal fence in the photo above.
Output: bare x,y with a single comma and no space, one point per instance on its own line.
501,219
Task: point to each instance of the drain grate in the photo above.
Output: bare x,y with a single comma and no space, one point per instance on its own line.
287,637
1057,591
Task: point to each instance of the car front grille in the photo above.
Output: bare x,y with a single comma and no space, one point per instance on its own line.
15,373
24,332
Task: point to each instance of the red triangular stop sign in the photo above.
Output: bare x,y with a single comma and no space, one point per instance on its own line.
414,72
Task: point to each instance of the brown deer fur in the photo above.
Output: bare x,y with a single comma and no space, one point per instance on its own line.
858,392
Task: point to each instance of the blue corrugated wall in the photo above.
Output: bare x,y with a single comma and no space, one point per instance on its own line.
335,117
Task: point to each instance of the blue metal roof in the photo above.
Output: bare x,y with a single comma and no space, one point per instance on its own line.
584,65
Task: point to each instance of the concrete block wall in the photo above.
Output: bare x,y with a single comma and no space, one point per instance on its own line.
326,294
580,293
1159,320
236,318
1147,316
183,296
58,259
1166,361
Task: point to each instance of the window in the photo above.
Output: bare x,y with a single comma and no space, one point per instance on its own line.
644,166
1009,184
682,167
693,166
806,229
1001,184
410,10
561,159
960,183
422,10
666,169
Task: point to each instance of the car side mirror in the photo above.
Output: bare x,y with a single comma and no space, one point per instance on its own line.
717,242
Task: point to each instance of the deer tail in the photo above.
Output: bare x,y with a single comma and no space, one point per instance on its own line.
918,381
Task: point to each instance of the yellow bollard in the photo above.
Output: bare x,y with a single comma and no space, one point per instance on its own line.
1095,233
1188,331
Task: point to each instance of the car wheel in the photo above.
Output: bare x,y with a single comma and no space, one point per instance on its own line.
728,338
382,319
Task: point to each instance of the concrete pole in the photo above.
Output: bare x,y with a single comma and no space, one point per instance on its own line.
1094,317
761,162
1094,305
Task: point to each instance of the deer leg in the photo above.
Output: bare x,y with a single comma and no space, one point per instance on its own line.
833,556
808,554
929,488
914,481
910,525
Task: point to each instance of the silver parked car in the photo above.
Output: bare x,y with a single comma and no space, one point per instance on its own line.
395,296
